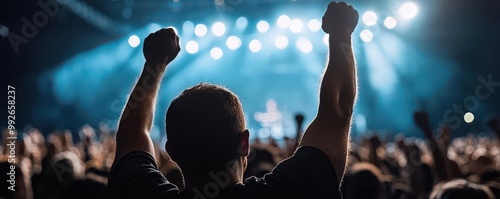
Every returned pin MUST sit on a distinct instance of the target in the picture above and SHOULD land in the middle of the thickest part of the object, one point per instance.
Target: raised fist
(422, 120)
(494, 124)
(161, 47)
(340, 19)
(299, 118)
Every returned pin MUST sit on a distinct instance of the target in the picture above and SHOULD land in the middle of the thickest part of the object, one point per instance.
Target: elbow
(342, 109)
(345, 112)
(337, 113)
(345, 106)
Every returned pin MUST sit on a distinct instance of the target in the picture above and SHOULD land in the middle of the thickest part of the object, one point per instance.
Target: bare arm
(329, 131)
(440, 161)
(136, 119)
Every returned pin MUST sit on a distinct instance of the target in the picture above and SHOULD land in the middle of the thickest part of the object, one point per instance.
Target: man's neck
(213, 181)
(219, 180)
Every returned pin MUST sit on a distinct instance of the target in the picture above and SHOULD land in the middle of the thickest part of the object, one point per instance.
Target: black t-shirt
(307, 174)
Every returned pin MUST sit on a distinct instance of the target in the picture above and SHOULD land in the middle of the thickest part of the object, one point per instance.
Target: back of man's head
(204, 124)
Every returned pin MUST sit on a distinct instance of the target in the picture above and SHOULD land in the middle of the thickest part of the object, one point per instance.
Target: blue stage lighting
(200, 30)
(134, 41)
(262, 26)
(283, 21)
(241, 22)
(408, 10)
(314, 25)
(233, 42)
(255, 46)
(370, 18)
(218, 29)
(192, 47)
(296, 26)
(390, 22)
(281, 42)
(216, 53)
(304, 45)
(366, 35)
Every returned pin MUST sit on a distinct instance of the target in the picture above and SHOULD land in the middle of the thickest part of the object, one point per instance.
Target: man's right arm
(329, 131)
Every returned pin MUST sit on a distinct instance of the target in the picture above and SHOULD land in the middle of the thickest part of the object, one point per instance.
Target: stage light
(277, 132)
(370, 18)
(216, 53)
(255, 46)
(390, 22)
(408, 10)
(200, 30)
(296, 26)
(241, 22)
(233, 42)
(304, 45)
(283, 21)
(134, 41)
(281, 42)
(469, 117)
(218, 29)
(314, 25)
(366, 35)
(262, 26)
(187, 27)
(326, 39)
(192, 47)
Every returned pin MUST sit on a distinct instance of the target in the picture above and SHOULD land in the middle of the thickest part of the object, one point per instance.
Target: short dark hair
(363, 180)
(460, 188)
(204, 124)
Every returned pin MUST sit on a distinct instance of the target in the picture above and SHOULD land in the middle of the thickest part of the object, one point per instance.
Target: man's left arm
(160, 48)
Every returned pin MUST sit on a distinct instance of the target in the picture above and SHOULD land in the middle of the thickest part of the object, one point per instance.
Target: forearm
(330, 129)
(137, 116)
(440, 161)
(339, 85)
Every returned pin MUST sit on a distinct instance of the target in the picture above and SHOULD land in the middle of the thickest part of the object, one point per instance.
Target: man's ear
(244, 143)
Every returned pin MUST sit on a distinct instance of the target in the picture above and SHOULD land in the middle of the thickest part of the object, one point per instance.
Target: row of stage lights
(406, 11)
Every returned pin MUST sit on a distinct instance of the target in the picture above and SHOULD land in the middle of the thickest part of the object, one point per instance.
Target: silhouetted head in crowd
(62, 170)
(206, 133)
(90, 186)
(363, 180)
(461, 189)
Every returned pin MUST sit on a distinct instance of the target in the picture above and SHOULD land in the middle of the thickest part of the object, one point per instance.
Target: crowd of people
(208, 153)
(54, 166)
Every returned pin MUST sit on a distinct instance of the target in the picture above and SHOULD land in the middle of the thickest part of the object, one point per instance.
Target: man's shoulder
(136, 175)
